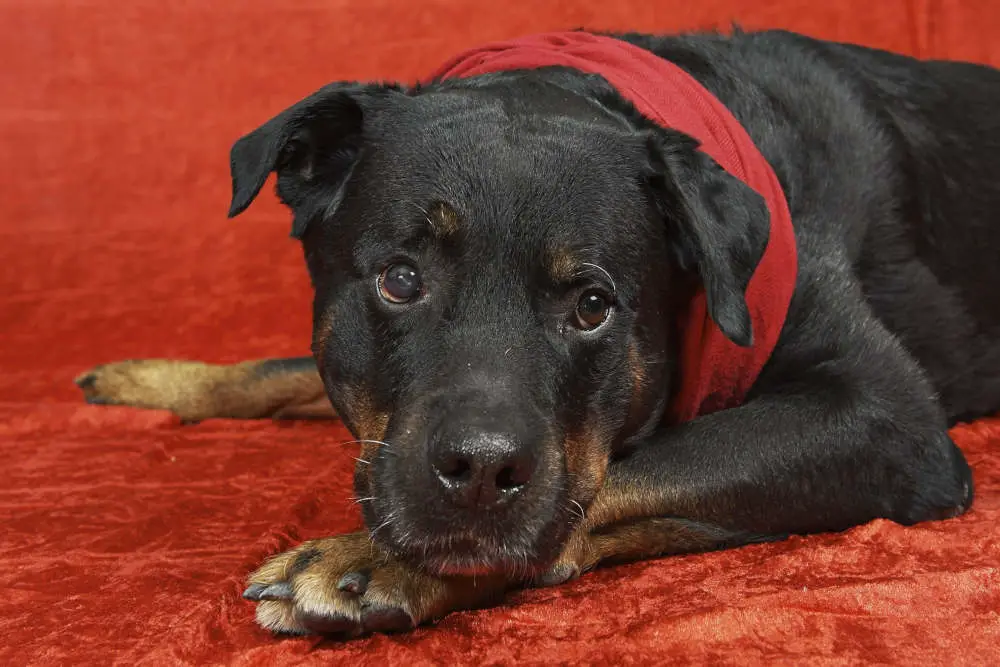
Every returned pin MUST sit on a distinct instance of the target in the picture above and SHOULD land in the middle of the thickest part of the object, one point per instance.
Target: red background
(125, 536)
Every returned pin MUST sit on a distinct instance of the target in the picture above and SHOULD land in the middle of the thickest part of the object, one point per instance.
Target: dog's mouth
(467, 563)
(507, 521)
(469, 557)
(517, 547)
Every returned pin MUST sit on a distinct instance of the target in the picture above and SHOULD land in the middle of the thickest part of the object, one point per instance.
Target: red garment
(715, 372)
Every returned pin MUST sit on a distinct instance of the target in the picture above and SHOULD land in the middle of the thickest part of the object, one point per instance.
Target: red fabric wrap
(715, 373)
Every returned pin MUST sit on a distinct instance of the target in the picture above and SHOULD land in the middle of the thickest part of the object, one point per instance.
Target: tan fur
(321, 335)
(391, 584)
(562, 265)
(637, 369)
(645, 539)
(195, 390)
(639, 533)
(586, 465)
(445, 221)
(368, 422)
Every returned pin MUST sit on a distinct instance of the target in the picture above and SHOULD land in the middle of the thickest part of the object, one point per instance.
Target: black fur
(891, 172)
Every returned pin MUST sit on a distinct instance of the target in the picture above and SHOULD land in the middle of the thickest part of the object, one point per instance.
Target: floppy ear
(313, 146)
(717, 226)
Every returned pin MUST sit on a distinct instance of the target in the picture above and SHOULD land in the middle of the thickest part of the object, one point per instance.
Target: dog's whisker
(364, 500)
(595, 266)
(361, 460)
(427, 216)
(382, 443)
(371, 535)
(583, 513)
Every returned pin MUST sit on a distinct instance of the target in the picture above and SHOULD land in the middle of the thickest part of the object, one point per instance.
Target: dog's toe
(329, 624)
(386, 620)
(353, 582)
(85, 381)
(343, 623)
(559, 573)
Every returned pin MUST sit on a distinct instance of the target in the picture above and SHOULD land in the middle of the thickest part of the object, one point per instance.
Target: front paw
(182, 387)
(576, 558)
(347, 586)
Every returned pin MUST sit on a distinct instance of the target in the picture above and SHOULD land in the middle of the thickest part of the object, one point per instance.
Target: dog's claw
(85, 381)
(253, 592)
(353, 582)
(279, 591)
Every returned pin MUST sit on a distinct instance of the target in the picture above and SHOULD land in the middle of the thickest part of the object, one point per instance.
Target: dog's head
(496, 264)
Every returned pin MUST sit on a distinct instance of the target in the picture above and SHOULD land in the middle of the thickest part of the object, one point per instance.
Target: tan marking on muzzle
(637, 369)
(322, 332)
(586, 465)
(368, 422)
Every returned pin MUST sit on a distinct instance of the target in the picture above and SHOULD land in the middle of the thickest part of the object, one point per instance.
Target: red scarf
(715, 373)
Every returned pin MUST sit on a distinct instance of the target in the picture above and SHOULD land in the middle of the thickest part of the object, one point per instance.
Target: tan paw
(345, 586)
(183, 387)
(576, 558)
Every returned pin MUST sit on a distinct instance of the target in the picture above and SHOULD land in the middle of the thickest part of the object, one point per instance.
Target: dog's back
(932, 267)
(889, 163)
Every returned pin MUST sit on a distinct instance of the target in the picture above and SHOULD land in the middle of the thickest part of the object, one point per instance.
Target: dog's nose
(482, 469)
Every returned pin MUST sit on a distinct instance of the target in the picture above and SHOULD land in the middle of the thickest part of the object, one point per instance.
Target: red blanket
(125, 537)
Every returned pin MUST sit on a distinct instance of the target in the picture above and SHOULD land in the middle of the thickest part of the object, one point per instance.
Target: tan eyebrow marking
(562, 265)
(443, 219)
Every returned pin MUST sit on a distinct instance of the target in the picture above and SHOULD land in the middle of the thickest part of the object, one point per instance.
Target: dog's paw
(576, 558)
(142, 383)
(182, 387)
(346, 586)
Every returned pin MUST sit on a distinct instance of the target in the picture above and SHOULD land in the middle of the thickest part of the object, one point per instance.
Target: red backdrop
(125, 536)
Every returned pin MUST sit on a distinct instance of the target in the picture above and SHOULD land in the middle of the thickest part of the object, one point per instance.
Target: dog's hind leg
(270, 388)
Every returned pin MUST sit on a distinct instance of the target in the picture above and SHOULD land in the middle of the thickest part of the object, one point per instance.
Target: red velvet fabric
(125, 537)
(715, 372)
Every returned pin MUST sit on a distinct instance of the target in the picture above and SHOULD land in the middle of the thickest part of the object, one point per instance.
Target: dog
(568, 332)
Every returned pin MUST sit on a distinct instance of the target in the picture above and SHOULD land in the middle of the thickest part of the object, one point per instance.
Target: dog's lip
(464, 553)
(447, 569)
(473, 566)
(451, 556)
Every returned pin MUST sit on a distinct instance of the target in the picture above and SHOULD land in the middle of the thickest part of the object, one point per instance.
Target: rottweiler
(586, 298)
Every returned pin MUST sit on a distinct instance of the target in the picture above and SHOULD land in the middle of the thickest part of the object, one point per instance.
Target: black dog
(501, 266)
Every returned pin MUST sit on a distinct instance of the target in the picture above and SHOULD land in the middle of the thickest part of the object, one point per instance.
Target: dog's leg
(271, 388)
(821, 446)
(826, 447)
(828, 439)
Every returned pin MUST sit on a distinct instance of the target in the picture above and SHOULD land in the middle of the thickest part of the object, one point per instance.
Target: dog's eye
(592, 310)
(399, 283)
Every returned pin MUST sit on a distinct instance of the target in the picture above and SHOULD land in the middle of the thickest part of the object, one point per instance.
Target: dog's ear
(717, 226)
(313, 146)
